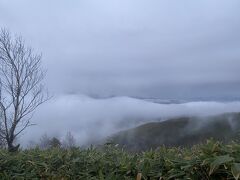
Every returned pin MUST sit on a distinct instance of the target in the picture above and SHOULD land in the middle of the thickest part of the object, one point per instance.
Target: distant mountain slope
(184, 131)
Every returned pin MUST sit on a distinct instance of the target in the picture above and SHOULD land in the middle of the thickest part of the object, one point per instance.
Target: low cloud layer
(92, 119)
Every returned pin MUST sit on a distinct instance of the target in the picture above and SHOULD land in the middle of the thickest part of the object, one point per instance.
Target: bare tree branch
(21, 87)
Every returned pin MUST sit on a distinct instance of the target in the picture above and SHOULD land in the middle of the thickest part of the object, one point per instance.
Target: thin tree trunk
(11, 147)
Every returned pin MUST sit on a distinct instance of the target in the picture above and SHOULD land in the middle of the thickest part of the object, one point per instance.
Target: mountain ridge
(181, 131)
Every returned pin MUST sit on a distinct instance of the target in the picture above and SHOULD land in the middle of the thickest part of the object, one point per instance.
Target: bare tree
(45, 142)
(21, 88)
(69, 141)
(2, 142)
(55, 143)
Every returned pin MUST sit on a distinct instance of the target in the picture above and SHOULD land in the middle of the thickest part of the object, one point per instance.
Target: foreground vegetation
(212, 160)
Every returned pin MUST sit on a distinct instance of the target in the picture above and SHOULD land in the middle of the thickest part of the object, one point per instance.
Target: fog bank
(91, 119)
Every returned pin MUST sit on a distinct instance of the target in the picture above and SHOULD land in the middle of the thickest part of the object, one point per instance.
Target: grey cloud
(124, 47)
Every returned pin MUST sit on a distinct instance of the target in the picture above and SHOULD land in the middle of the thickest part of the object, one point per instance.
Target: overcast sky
(168, 49)
(154, 48)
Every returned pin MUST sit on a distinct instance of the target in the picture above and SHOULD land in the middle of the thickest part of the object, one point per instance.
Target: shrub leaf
(219, 160)
(236, 170)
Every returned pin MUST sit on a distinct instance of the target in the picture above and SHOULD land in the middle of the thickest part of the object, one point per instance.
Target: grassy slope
(184, 131)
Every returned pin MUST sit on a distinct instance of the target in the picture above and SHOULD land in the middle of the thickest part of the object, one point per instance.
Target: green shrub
(212, 160)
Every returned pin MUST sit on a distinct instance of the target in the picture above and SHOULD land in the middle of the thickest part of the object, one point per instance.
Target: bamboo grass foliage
(212, 160)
